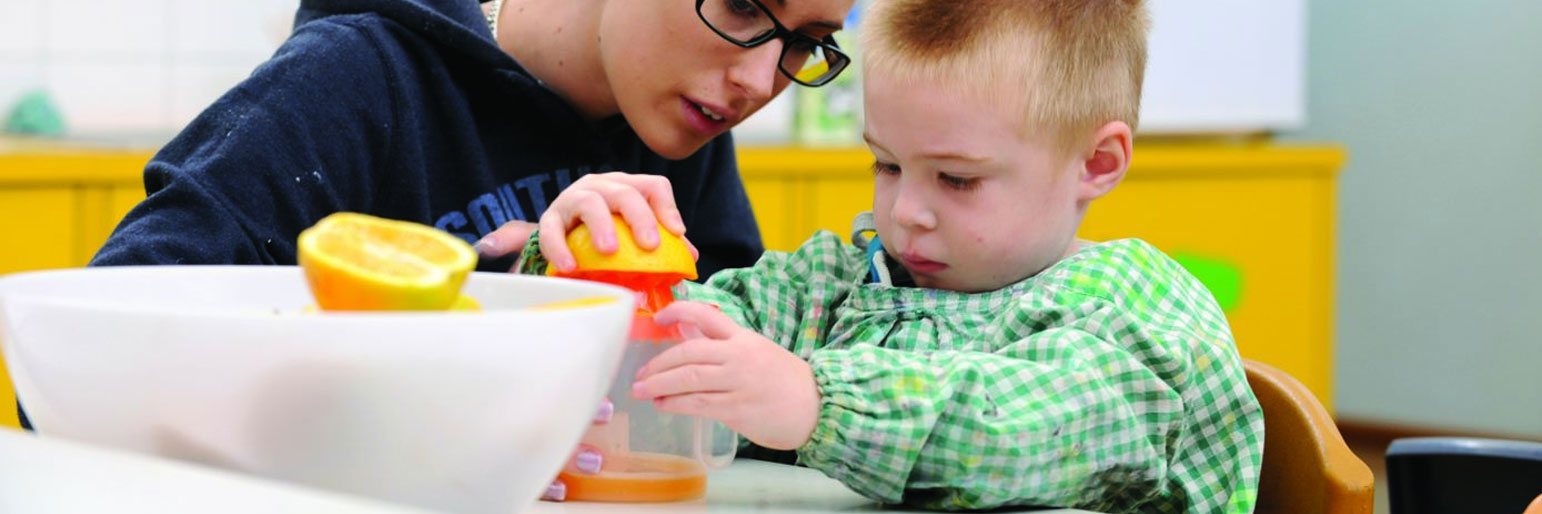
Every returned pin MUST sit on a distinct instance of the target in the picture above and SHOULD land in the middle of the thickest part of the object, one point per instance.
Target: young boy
(977, 354)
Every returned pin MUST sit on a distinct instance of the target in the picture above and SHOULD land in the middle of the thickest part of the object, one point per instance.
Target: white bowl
(222, 365)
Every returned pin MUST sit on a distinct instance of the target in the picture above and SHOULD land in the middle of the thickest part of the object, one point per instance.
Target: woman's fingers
(633, 207)
(644, 201)
(506, 239)
(554, 244)
(660, 196)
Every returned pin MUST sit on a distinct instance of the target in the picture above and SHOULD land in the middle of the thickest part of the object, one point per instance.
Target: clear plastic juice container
(649, 456)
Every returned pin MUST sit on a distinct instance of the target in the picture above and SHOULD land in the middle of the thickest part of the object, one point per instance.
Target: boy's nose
(911, 212)
(754, 73)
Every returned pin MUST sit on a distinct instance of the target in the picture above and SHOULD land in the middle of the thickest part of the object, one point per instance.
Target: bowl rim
(8, 283)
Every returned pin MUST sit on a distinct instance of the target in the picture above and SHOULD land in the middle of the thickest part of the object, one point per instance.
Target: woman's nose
(754, 73)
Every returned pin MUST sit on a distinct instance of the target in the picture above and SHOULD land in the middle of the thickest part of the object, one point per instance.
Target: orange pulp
(639, 477)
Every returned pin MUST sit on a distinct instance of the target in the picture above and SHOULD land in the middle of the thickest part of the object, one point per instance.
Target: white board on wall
(1225, 66)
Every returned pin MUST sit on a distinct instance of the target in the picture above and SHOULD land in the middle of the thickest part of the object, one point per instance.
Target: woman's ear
(1106, 159)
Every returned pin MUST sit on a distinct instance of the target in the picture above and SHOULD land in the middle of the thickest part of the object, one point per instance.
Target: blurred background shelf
(1254, 220)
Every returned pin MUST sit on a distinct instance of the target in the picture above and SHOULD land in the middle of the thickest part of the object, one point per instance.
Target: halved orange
(671, 260)
(359, 262)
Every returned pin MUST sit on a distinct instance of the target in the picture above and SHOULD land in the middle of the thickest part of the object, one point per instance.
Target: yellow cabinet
(1254, 221)
(57, 206)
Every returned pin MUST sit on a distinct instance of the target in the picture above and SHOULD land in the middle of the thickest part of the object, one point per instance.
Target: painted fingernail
(555, 492)
(607, 409)
(588, 461)
(486, 246)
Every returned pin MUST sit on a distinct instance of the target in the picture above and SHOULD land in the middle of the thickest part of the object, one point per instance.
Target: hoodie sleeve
(293, 142)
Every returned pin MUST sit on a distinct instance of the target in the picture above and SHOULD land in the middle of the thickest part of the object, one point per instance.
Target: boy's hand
(732, 375)
(642, 200)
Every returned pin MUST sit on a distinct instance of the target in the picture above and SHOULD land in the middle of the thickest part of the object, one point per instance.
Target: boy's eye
(957, 182)
(885, 168)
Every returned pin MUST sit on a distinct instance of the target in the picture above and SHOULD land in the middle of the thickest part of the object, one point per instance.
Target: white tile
(116, 29)
(18, 76)
(107, 98)
(21, 27)
(195, 85)
(204, 27)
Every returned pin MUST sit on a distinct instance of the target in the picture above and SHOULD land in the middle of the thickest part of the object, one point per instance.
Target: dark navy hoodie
(404, 109)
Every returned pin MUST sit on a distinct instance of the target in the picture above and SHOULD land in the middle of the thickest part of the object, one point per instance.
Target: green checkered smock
(1107, 382)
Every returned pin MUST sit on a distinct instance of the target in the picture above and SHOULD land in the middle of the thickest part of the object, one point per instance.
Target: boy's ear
(1106, 159)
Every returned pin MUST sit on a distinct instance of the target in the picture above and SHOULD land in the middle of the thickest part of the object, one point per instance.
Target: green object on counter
(832, 114)
(35, 115)
(1221, 276)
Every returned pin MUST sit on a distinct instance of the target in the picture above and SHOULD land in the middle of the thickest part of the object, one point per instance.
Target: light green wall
(1440, 233)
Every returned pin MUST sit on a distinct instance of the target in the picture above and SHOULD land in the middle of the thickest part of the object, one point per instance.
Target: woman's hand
(643, 201)
(587, 459)
(732, 375)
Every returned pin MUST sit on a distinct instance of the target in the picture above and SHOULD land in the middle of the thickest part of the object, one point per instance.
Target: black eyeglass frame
(787, 36)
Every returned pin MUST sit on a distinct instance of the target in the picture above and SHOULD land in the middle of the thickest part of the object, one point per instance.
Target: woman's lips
(700, 121)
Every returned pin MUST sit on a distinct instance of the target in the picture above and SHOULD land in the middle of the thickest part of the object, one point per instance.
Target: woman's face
(678, 83)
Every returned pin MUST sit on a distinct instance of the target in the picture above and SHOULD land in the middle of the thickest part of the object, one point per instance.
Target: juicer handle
(715, 443)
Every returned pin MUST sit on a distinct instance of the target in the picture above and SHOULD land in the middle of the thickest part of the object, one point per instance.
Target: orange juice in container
(649, 456)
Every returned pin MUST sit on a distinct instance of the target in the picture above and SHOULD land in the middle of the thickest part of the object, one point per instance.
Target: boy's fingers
(696, 351)
(707, 318)
(506, 239)
(705, 405)
(687, 379)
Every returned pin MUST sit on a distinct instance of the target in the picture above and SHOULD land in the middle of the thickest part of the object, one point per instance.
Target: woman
(414, 110)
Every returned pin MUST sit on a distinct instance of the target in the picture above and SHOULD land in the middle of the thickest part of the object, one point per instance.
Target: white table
(750, 486)
(40, 475)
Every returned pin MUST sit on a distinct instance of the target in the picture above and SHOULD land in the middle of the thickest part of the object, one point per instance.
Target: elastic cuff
(829, 449)
(531, 261)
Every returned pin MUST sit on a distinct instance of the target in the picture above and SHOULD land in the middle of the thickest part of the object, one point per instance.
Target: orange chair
(1308, 469)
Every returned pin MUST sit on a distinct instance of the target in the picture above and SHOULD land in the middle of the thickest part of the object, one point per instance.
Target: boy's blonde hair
(1071, 65)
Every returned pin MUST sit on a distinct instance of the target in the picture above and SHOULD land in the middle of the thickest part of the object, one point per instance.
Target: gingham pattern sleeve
(789, 298)
(1059, 418)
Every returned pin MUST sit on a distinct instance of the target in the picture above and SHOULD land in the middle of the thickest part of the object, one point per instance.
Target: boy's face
(664, 64)
(962, 199)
